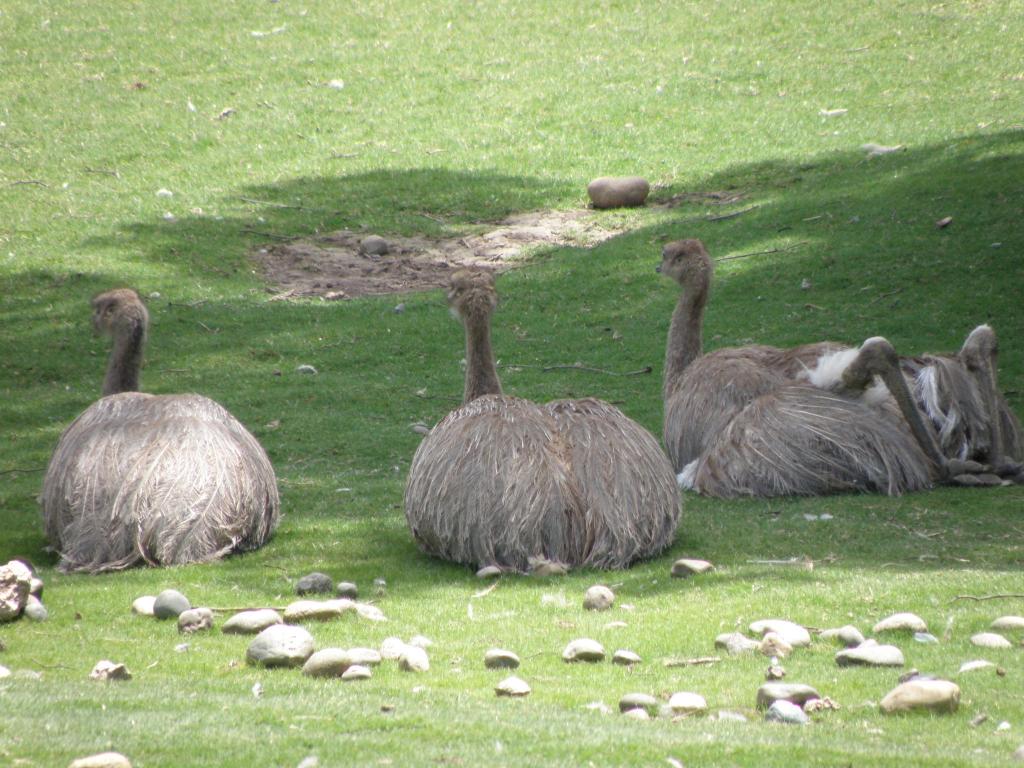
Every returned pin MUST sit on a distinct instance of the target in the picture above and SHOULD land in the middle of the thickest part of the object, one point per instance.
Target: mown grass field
(452, 116)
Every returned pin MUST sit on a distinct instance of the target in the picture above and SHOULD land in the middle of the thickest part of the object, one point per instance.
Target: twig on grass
(793, 247)
(732, 215)
(881, 296)
(979, 598)
(698, 662)
(272, 235)
(104, 172)
(17, 470)
(23, 182)
(578, 367)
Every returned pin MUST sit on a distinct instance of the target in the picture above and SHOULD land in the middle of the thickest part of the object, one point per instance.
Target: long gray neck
(125, 364)
(481, 372)
(685, 334)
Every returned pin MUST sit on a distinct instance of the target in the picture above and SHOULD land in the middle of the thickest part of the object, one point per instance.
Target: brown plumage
(503, 481)
(814, 419)
(160, 479)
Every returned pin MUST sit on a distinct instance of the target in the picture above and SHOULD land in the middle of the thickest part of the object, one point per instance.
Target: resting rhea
(503, 481)
(820, 418)
(160, 479)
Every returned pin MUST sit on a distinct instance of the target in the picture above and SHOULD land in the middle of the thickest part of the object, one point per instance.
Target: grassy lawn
(443, 117)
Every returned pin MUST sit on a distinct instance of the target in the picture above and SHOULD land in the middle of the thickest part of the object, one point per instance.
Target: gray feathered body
(501, 480)
(160, 479)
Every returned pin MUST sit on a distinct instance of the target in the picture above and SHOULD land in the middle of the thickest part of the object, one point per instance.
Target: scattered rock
(347, 589)
(315, 583)
(251, 622)
(688, 567)
(169, 604)
(687, 703)
(143, 606)
(370, 612)
(109, 670)
(375, 245)
(35, 610)
(583, 649)
(775, 646)
(971, 666)
(420, 641)
(871, 656)
(818, 705)
(848, 636)
(933, 695)
(637, 714)
(736, 643)
(990, 640)
(356, 672)
(598, 598)
(908, 622)
(618, 191)
(280, 645)
(926, 638)
(775, 672)
(413, 659)
(792, 633)
(625, 658)
(795, 693)
(392, 648)
(786, 712)
(512, 686)
(15, 585)
(1009, 623)
(364, 657)
(327, 662)
(195, 620)
(489, 572)
(541, 566)
(638, 701)
(102, 760)
(496, 658)
(317, 610)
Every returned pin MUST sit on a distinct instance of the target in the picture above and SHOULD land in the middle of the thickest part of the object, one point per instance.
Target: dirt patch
(334, 266)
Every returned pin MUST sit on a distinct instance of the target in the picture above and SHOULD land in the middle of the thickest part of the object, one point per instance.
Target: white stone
(792, 633)
(317, 610)
(414, 659)
(774, 645)
(901, 621)
(364, 657)
(687, 703)
(971, 666)
(871, 656)
(370, 612)
(783, 711)
(497, 658)
(251, 622)
(327, 662)
(990, 640)
(598, 598)
(583, 649)
(109, 670)
(356, 672)
(280, 645)
(143, 606)
(1007, 623)
(512, 686)
(625, 658)
(420, 641)
(102, 760)
(934, 695)
(736, 643)
(391, 649)
(686, 566)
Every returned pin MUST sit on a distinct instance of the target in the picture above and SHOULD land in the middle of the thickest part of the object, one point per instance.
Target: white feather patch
(926, 387)
(828, 374)
(687, 477)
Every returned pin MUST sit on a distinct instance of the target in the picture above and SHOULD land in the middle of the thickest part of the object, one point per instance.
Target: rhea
(156, 479)
(503, 481)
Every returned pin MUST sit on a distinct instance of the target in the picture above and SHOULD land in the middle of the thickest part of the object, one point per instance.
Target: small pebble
(583, 649)
(849, 635)
(901, 621)
(314, 583)
(370, 612)
(420, 641)
(512, 686)
(786, 712)
(307, 369)
(598, 598)
(497, 658)
(4, 672)
(689, 567)
(169, 604)
(625, 658)
(637, 714)
(775, 672)
(347, 589)
(925, 637)
(392, 648)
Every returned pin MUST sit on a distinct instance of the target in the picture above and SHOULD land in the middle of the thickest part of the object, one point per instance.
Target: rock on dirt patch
(335, 267)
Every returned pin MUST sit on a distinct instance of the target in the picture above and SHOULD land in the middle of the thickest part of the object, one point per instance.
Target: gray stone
(598, 598)
(907, 622)
(618, 191)
(786, 712)
(497, 658)
(413, 659)
(195, 620)
(370, 612)
(364, 657)
(871, 656)
(933, 695)
(102, 760)
(971, 666)
(317, 610)
(685, 566)
(375, 245)
(251, 622)
(990, 640)
(625, 658)
(347, 589)
(280, 645)
(143, 606)
(109, 670)
(356, 672)
(775, 672)
(848, 636)
(315, 583)
(169, 604)
(637, 713)
(687, 703)
(795, 693)
(639, 701)
(35, 610)
(1009, 623)
(327, 662)
(792, 633)
(15, 585)
(775, 646)
(512, 686)
(583, 649)
(736, 643)
(489, 572)
(392, 648)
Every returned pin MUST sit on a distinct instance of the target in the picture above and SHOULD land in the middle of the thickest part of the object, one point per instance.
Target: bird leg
(878, 358)
(979, 355)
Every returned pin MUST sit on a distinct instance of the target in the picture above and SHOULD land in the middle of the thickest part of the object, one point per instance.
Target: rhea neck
(685, 334)
(125, 363)
(481, 372)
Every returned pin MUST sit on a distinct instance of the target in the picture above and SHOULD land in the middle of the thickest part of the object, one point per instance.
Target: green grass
(451, 115)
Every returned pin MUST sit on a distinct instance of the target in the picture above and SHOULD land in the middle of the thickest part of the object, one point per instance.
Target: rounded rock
(497, 658)
(794, 693)
(990, 640)
(413, 659)
(775, 646)
(848, 636)
(512, 686)
(327, 662)
(736, 643)
(364, 657)
(625, 658)
(1009, 623)
(871, 656)
(583, 649)
(639, 701)
(392, 648)
(971, 666)
(618, 191)
(932, 695)
(786, 712)
(195, 620)
(356, 672)
(109, 670)
(686, 566)
(35, 587)
(489, 572)
(369, 612)
(687, 703)
(375, 245)
(280, 645)
(143, 606)
(637, 713)
(347, 589)
(315, 583)
(251, 622)
(317, 610)
(791, 632)
(169, 604)
(907, 622)
(35, 610)
(598, 598)
(102, 760)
